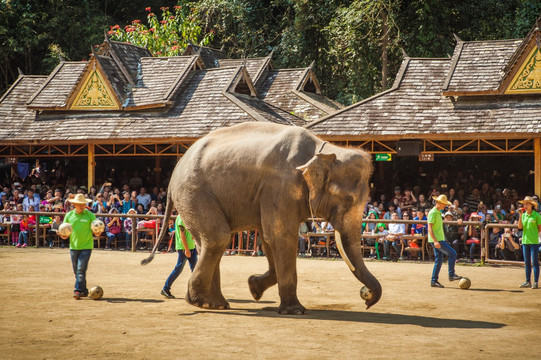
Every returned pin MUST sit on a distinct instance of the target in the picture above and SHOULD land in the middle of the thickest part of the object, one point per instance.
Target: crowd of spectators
(472, 200)
(483, 199)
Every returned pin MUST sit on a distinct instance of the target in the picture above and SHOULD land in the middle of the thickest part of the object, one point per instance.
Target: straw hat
(79, 199)
(529, 199)
(441, 199)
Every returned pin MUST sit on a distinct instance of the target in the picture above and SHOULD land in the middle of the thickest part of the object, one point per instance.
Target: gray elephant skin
(265, 177)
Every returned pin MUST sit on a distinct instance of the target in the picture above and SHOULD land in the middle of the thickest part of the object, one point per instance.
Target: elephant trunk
(354, 252)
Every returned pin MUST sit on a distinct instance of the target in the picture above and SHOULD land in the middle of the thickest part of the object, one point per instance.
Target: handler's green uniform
(81, 238)
(179, 224)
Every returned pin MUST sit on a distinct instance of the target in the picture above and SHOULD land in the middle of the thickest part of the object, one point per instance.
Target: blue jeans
(23, 236)
(79, 261)
(127, 237)
(530, 252)
(180, 266)
(438, 253)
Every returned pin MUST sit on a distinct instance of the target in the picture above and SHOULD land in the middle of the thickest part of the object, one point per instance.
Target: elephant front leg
(285, 262)
(258, 284)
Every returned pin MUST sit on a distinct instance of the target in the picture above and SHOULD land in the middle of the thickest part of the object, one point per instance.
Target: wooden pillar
(158, 169)
(537, 165)
(91, 166)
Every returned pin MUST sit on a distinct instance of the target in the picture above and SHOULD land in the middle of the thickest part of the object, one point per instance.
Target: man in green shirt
(436, 237)
(185, 245)
(530, 223)
(81, 242)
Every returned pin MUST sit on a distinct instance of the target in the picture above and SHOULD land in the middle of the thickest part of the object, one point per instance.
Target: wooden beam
(91, 166)
(537, 165)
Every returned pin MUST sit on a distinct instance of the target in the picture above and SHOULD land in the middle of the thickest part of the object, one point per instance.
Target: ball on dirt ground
(464, 283)
(97, 226)
(96, 293)
(65, 230)
(366, 293)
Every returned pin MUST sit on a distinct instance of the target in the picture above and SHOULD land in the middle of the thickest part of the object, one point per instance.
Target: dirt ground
(39, 319)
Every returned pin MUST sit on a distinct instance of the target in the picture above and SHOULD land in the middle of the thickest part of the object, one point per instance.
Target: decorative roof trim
(171, 92)
(266, 63)
(93, 65)
(240, 74)
(454, 62)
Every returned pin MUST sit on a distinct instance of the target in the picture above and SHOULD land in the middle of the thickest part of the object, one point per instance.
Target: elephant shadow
(125, 300)
(363, 317)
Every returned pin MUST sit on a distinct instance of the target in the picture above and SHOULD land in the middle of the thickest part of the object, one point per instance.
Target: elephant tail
(163, 231)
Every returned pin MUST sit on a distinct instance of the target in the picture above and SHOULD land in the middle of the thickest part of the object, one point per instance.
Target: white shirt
(397, 228)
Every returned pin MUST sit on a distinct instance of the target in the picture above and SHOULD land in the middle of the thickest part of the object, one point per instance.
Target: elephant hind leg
(204, 288)
(258, 284)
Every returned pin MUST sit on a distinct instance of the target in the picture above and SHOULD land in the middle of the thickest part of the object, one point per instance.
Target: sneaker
(525, 285)
(535, 286)
(454, 277)
(84, 294)
(108, 249)
(18, 245)
(436, 284)
(76, 295)
(167, 294)
(24, 245)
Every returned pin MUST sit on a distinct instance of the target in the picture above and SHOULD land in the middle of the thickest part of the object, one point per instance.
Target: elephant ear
(316, 173)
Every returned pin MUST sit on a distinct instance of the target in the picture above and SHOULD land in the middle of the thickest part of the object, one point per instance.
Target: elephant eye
(349, 199)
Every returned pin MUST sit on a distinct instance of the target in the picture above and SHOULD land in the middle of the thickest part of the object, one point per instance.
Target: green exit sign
(384, 157)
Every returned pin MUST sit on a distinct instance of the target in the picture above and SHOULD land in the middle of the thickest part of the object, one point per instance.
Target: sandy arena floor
(40, 320)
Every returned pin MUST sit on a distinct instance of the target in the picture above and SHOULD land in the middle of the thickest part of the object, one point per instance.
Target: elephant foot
(255, 289)
(207, 302)
(293, 309)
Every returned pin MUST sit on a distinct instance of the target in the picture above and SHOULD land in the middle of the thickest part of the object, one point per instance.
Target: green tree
(166, 37)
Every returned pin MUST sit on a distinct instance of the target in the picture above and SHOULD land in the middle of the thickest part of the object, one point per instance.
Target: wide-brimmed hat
(79, 199)
(441, 199)
(529, 199)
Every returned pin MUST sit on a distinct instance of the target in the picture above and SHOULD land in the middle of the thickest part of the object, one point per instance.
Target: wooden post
(157, 169)
(91, 166)
(537, 165)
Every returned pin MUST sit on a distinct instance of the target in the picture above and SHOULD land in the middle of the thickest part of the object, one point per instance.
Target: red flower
(164, 8)
(110, 32)
(171, 17)
(151, 29)
(116, 27)
(163, 22)
(159, 53)
(136, 22)
(151, 15)
(130, 30)
(178, 7)
(148, 9)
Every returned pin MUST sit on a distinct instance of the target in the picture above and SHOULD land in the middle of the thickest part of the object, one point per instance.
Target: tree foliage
(351, 41)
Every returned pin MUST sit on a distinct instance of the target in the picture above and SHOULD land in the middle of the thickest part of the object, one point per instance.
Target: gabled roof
(416, 107)
(477, 66)
(256, 66)
(209, 55)
(284, 88)
(127, 56)
(205, 101)
(55, 90)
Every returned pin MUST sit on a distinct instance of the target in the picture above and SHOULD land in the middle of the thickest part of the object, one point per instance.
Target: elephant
(267, 177)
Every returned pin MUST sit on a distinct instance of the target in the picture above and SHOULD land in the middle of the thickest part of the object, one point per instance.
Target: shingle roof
(160, 79)
(479, 65)
(416, 106)
(209, 56)
(129, 56)
(255, 66)
(277, 88)
(55, 90)
(115, 76)
(199, 107)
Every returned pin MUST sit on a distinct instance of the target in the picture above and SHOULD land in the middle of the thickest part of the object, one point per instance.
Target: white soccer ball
(65, 230)
(97, 226)
(96, 293)
(366, 293)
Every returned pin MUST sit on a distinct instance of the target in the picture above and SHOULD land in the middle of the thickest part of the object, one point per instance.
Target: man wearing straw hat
(436, 237)
(81, 242)
(530, 223)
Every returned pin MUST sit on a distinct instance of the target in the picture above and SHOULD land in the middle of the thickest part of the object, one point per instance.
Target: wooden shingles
(54, 92)
(417, 107)
(209, 56)
(129, 55)
(479, 65)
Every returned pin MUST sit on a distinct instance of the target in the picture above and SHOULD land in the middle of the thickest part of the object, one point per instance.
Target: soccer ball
(65, 230)
(366, 293)
(95, 293)
(97, 226)
(464, 283)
